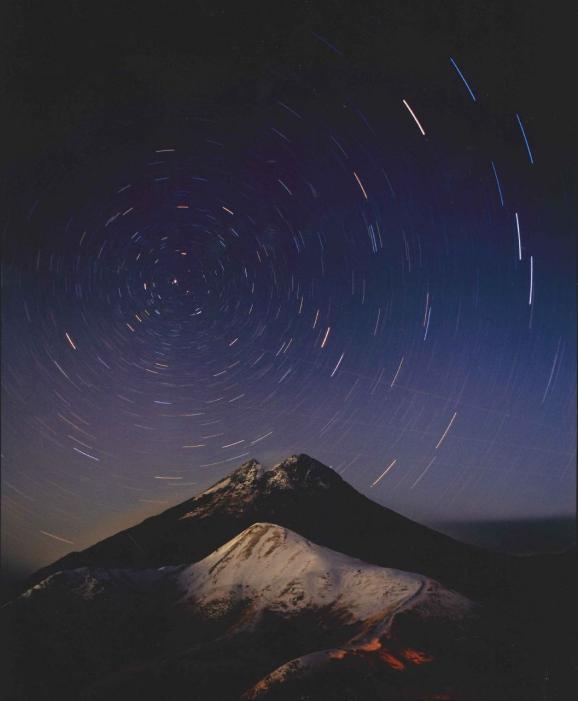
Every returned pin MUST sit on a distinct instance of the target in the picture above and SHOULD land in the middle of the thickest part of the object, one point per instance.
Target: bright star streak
(384, 473)
(87, 455)
(455, 65)
(446, 431)
(519, 240)
(338, 364)
(70, 340)
(360, 185)
(56, 537)
(415, 118)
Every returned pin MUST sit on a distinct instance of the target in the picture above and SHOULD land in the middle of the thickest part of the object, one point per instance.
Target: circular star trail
(379, 278)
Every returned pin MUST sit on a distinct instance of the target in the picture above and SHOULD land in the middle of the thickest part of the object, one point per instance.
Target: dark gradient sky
(229, 238)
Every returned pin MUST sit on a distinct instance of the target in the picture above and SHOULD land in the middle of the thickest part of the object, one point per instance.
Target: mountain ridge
(308, 497)
(289, 580)
(266, 583)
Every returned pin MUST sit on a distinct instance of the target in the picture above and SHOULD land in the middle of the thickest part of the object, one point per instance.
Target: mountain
(266, 611)
(287, 583)
(311, 499)
(280, 570)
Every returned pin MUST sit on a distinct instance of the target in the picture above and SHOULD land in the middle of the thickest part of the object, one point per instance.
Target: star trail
(367, 276)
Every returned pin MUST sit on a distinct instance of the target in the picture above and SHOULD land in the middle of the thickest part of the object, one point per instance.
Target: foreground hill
(262, 614)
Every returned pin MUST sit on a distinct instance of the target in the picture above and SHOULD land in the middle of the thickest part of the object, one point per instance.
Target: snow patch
(280, 570)
(217, 487)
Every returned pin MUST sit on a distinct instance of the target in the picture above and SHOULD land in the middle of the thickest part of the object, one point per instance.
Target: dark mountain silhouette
(528, 536)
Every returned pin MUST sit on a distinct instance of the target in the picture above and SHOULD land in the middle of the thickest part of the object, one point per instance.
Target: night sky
(335, 230)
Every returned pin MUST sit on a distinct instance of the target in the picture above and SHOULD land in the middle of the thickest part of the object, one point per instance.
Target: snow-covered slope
(274, 569)
(89, 583)
(279, 570)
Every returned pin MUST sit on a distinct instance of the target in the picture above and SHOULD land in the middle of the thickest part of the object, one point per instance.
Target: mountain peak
(296, 471)
(251, 471)
(302, 471)
(252, 482)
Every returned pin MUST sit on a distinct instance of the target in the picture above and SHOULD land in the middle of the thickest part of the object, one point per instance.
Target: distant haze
(524, 536)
